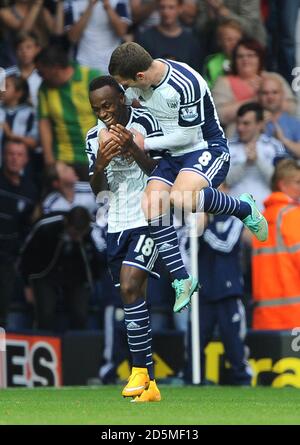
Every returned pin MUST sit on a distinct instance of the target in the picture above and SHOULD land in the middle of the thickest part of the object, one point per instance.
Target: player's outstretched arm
(107, 151)
(126, 140)
(180, 138)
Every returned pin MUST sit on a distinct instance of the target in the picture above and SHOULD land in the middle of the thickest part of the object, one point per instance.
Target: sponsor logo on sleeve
(189, 114)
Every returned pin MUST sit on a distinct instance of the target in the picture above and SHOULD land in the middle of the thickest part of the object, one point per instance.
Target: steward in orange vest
(276, 262)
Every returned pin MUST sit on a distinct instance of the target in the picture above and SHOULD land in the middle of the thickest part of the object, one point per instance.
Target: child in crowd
(19, 117)
(27, 47)
(229, 32)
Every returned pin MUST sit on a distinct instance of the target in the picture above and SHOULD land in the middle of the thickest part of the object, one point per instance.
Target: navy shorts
(133, 247)
(212, 163)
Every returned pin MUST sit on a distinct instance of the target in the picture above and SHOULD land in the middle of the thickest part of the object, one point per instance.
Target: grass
(180, 406)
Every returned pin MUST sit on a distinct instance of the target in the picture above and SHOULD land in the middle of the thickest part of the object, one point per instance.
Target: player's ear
(122, 98)
(140, 75)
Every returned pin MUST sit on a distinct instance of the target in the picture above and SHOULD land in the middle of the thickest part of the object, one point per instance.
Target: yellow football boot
(137, 382)
(152, 394)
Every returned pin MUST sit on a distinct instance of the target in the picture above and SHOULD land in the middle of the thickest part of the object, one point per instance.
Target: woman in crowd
(242, 85)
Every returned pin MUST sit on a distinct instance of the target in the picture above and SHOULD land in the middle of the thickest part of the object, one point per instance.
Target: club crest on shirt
(172, 103)
(189, 114)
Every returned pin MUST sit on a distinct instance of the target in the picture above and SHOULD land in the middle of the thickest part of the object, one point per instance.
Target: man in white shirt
(252, 155)
(66, 191)
(96, 27)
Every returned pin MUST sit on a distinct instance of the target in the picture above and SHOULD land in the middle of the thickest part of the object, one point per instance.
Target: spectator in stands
(276, 263)
(242, 85)
(188, 13)
(145, 14)
(28, 15)
(229, 32)
(212, 12)
(253, 155)
(27, 47)
(169, 39)
(280, 124)
(64, 111)
(281, 26)
(221, 293)
(96, 28)
(18, 197)
(60, 256)
(66, 191)
(20, 123)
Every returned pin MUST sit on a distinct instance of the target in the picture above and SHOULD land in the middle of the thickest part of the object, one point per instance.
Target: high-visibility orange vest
(276, 267)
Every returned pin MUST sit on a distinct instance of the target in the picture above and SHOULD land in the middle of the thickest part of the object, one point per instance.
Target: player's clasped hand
(121, 135)
(130, 140)
(125, 138)
(108, 150)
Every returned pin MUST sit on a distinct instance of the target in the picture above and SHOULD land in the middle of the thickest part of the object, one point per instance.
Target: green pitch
(180, 405)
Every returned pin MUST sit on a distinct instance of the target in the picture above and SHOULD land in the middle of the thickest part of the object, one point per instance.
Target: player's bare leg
(185, 191)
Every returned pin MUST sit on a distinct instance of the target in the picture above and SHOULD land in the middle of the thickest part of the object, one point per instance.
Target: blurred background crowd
(53, 273)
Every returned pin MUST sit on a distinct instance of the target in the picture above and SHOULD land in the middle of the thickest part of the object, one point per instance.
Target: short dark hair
(9, 142)
(78, 218)
(252, 106)
(22, 36)
(102, 81)
(53, 55)
(230, 23)
(129, 59)
(21, 84)
(253, 45)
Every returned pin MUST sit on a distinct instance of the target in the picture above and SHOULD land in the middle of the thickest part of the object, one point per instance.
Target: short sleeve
(123, 10)
(190, 115)
(32, 126)
(91, 148)
(149, 125)
(191, 90)
(43, 108)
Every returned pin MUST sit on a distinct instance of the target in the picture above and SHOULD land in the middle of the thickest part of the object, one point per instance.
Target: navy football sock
(149, 363)
(137, 325)
(219, 203)
(165, 237)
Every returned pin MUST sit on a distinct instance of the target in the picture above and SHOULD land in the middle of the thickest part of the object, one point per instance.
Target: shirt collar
(165, 77)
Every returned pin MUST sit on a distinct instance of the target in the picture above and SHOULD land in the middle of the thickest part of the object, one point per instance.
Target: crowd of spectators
(50, 51)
